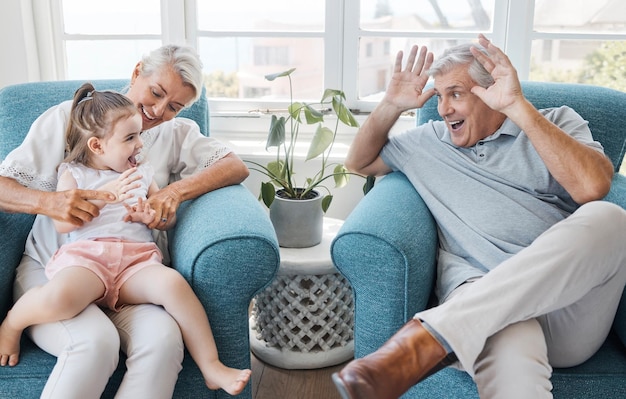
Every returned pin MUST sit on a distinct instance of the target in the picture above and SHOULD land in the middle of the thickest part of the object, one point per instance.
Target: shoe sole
(340, 387)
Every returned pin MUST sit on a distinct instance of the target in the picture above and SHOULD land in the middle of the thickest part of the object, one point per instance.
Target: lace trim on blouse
(210, 159)
(27, 177)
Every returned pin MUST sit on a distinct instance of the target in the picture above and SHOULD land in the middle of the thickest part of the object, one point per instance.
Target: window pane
(427, 15)
(255, 15)
(112, 17)
(236, 67)
(377, 56)
(589, 16)
(580, 61)
(105, 59)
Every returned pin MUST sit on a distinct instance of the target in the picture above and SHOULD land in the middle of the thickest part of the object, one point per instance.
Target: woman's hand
(69, 206)
(75, 206)
(165, 203)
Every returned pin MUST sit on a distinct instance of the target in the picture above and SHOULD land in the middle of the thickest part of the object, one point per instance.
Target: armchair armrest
(617, 195)
(225, 246)
(386, 249)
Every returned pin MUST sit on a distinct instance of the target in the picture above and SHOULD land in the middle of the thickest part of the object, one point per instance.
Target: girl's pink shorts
(114, 261)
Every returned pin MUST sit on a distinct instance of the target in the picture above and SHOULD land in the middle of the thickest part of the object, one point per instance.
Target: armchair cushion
(223, 244)
(391, 274)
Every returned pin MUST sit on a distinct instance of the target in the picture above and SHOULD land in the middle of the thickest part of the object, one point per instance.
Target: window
(585, 43)
(99, 36)
(248, 39)
(347, 44)
(386, 27)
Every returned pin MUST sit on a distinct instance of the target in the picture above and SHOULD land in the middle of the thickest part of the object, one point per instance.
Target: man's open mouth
(456, 125)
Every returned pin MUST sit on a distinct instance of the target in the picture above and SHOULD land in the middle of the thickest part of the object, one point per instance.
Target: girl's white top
(110, 222)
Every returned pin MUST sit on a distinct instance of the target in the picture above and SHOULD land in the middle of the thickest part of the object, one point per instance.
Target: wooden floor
(269, 382)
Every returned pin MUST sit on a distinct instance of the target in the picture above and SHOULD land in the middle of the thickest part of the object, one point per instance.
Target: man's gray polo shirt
(490, 200)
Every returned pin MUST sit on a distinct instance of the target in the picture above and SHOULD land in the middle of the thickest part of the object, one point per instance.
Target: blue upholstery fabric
(223, 244)
(386, 249)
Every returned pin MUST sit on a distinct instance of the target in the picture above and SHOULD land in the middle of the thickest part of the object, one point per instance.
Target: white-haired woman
(187, 164)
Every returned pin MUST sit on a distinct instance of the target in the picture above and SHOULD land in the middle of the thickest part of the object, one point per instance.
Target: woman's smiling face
(467, 117)
(160, 96)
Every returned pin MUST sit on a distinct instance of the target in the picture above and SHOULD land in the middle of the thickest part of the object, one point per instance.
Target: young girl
(113, 260)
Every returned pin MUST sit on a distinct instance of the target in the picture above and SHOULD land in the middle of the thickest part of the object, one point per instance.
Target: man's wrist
(388, 108)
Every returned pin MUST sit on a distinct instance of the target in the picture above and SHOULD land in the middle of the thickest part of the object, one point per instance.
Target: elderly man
(527, 252)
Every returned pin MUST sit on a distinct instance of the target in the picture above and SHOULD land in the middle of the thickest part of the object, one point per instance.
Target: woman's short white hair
(182, 59)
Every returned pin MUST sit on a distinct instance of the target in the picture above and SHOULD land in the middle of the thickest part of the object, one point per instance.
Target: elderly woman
(187, 164)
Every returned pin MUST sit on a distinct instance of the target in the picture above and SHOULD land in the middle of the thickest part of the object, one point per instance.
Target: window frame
(512, 30)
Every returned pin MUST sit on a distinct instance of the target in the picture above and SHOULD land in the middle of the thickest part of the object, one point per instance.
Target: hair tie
(89, 96)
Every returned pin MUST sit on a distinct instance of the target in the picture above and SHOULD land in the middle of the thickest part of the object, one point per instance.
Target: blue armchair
(386, 249)
(226, 256)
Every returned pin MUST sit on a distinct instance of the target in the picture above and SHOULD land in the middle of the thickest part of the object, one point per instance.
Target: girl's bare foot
(9, 345)
(229, 379)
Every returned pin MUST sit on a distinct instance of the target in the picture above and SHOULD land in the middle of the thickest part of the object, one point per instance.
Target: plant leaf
(312, 115)
(343, 113)
(294, 110)
(331, 93)
(268, 193)
(341, 176)
(369, 184)
(321, 141)
(326, 202)
(276, 134)
(277, 169)
(273, 76)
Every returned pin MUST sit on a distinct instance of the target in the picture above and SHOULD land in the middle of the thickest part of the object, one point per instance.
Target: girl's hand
(122, 186)
(141, 212)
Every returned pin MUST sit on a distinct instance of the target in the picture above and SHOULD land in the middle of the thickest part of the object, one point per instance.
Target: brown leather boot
(408, 357)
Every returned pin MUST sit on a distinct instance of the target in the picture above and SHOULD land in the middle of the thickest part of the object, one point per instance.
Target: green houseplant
(284, 131)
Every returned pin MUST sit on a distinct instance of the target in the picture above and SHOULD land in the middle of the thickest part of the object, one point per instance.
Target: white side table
(305, 318)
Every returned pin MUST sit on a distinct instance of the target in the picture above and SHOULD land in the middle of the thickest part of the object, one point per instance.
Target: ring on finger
(163, 220)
